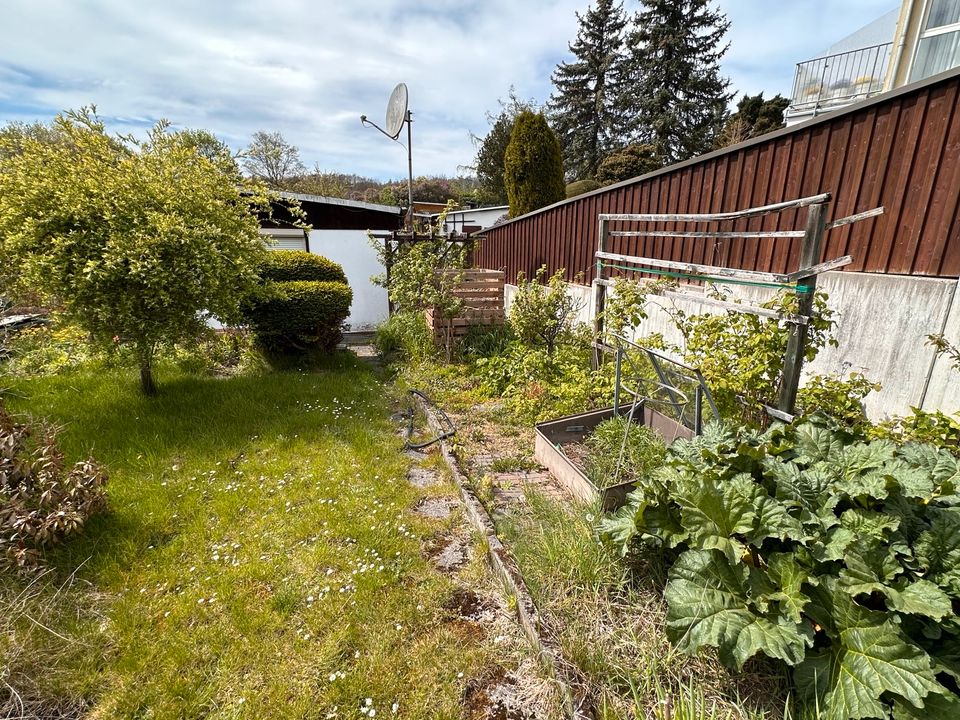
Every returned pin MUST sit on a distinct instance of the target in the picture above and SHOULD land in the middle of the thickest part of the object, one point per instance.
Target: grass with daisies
(259, 557)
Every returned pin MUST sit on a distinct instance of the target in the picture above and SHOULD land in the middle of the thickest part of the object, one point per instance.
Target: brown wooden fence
(900, 150)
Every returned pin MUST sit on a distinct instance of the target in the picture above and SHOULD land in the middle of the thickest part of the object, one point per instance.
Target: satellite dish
(396, 110)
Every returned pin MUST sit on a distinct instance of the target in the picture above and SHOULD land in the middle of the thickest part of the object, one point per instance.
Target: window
(938, 48)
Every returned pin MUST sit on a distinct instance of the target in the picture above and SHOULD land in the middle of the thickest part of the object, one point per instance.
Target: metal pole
(599, 292)
(616, 384)
(409, 170)
(388, 264)
(806, 287)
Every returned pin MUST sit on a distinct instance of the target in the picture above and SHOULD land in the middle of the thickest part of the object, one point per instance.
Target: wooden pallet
(482, 294)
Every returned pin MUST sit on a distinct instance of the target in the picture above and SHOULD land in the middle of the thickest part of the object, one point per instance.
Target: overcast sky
(310, 69)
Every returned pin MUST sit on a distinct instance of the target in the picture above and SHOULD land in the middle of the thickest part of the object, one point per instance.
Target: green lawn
(259, 557)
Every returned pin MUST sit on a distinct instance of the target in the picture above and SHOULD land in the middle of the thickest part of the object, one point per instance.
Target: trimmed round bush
(301, 314)
(287, 265)
(302, 303)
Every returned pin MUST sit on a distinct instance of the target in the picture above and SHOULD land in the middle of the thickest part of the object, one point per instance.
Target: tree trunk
(145, 353)
(146, 380)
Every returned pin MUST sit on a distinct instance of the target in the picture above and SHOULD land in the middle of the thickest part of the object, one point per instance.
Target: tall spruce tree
(675, 96)
(584, 109)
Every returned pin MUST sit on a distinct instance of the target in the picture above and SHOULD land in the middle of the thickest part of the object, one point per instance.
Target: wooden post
(599, 293)
(806, 287)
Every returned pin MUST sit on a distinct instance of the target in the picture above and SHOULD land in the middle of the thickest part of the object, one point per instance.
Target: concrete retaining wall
(882, 325)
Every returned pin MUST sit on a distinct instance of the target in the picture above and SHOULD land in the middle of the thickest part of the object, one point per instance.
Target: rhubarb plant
(837, 555)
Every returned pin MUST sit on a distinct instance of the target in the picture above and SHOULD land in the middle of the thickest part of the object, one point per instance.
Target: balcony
(835, 81)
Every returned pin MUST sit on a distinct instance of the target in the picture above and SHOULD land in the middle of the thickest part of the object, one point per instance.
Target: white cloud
(310, 70)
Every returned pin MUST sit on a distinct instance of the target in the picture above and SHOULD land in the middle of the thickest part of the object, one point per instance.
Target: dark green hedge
(287, 265)
(301, 314)
(302, 303)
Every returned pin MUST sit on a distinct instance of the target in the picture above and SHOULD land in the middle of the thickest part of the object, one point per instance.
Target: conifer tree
(584, 108)
(674, 94)
(491, 149)
(533, 166)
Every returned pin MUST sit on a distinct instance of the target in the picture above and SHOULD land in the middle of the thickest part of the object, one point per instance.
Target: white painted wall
(352, 249)
(481, 217)
(882, 325)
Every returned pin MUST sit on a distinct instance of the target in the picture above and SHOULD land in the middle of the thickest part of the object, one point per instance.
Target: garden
(230, 523)
(212, 523)
(760, 568)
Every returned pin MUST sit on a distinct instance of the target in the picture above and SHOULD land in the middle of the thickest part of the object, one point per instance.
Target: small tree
(135, 238)
(754, 116)
(424, 274)
(533, 165)
(273, 160)
(543, 314)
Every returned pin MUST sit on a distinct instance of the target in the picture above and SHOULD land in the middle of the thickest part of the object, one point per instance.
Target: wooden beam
(797, 342)
(707, 234)
(854, 218)
(694, 268)
(717, 217)
(821, 268)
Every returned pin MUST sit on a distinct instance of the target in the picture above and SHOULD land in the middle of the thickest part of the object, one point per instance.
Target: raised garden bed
(553, 436)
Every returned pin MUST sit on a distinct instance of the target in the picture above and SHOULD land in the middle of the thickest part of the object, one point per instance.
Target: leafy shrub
(543, 315)
(46, 349)
(582, 186)
(286, 265)
(934, 428)
(404, 335)
(294, 309)
(536, 386)
(643, 450)
(836, 555)
(740, 354)
(837, 397)
(301, 314)
(41, 501)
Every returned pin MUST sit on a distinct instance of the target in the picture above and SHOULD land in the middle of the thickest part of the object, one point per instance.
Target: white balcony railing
(830, 82)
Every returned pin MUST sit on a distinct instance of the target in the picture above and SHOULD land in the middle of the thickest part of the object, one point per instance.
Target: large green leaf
(921, 597)
(870, 567)
(865, 469)
(943, 467)
(715, 511)
(938, 549)
(868, 656)
(935, 707)
(708, 605)
(789, 578)
(816, 443)
(772, 520)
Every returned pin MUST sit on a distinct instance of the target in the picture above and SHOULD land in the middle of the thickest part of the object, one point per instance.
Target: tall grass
(609, 619)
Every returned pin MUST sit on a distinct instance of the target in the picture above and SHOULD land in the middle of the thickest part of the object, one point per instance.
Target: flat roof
(323, 200)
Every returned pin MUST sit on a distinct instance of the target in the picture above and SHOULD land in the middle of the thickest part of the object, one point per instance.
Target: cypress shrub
(533, 165)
